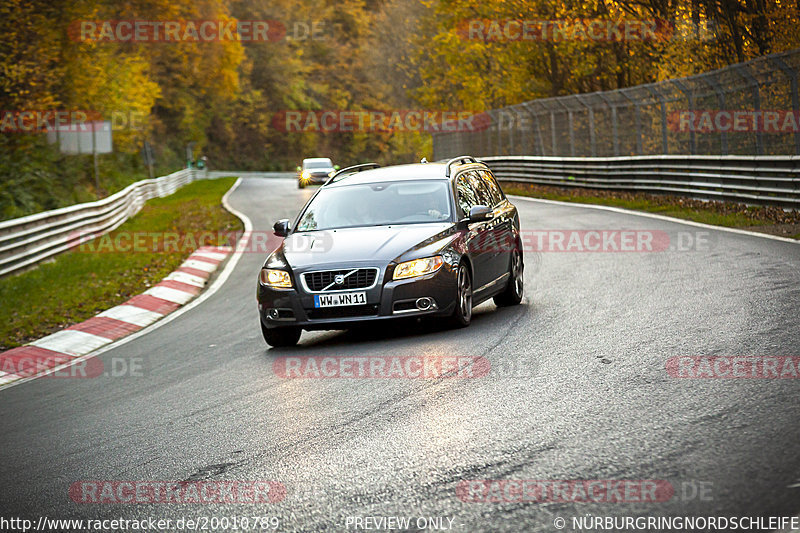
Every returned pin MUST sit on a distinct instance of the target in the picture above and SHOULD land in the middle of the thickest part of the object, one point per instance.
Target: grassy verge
(765, 219)
(79, 284)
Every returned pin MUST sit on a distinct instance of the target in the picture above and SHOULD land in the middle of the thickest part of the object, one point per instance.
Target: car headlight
(305, 175)
(275, 278)
(418, 267)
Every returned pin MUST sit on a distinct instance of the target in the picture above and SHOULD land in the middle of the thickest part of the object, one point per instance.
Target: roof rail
(340, 174)
(460, 160)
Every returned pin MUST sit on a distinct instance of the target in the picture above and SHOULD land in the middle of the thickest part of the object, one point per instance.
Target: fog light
(423, 304)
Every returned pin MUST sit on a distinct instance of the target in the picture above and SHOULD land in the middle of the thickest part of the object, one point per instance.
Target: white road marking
(199, 265)
(71, 342)
(216, 256)
(657, 217)
(171, 295)
(189, 279)
(132, 315)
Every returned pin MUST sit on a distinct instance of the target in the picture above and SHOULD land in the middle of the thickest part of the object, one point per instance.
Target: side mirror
(299, 169)
(479, 213)
(336, 167)
(281, 227)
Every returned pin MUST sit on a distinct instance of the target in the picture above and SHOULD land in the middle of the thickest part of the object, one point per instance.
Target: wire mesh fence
(749, 108)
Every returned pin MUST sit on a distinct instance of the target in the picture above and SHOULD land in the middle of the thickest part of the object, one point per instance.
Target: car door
(478, 233)
(502, 225)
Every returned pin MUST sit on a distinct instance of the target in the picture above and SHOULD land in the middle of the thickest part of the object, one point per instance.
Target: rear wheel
(281, 337)
(462, 314)
(512, 295)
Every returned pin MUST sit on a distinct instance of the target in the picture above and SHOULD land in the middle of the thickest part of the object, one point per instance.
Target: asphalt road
(578, 391)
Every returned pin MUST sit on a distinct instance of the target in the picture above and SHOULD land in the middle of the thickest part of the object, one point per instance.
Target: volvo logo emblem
(339, 279)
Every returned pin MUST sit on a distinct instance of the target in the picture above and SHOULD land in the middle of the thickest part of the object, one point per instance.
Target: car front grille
(358, 278)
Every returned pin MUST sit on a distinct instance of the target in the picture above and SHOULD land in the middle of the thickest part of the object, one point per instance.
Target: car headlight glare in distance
(275, 278)
(418, 267)
(306, 175)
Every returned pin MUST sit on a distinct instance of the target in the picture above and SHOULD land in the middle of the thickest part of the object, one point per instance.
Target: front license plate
(336, 300)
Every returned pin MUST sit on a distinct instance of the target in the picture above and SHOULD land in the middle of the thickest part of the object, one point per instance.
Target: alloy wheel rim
(464, 293)
(517, 273)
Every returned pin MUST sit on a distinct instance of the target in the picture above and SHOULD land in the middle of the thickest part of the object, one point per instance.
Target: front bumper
(386, 300)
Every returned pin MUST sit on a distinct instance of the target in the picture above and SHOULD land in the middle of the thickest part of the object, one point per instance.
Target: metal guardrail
(28, 240)
(759, 180)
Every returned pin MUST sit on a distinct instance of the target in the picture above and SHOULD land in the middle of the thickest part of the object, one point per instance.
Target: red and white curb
(181, 286)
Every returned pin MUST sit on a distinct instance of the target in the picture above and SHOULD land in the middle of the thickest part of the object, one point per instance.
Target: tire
(512, 295)
(462, 314)
(281, 337)
(300, 185)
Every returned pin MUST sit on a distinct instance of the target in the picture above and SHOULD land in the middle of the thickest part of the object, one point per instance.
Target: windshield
(318, 164)
(377, 204)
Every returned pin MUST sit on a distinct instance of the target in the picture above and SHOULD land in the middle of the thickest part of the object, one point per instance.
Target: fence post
(745, 73)
(792, 75)
(560, 102)
(614, 129)
(522, 131)
(723, 135)
(592, 140)
(637, 119)
(651, 89)
(690, 100)
(535, 116)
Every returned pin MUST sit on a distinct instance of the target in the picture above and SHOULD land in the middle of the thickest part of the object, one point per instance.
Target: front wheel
(462, 314)
(301, 185)
(512, 295)
(281, 337)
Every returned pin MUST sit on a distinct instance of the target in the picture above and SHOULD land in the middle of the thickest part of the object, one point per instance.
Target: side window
(494, 188)
(466, 196)
(481, 191)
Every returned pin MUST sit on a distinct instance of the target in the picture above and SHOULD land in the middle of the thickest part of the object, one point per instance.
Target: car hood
(379, 244)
